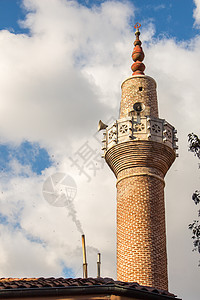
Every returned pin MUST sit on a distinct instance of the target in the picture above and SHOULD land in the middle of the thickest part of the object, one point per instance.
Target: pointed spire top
(138, 55)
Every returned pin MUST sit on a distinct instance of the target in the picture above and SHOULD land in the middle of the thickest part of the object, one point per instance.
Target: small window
(140, 88)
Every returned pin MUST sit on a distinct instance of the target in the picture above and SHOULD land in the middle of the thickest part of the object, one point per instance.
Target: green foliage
(194, 146)
(196, 197)
(195, 227)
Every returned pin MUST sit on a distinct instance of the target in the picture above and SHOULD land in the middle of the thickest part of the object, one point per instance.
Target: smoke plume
(73, 214)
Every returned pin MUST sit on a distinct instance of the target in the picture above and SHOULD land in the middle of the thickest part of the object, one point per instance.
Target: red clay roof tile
(40, 283)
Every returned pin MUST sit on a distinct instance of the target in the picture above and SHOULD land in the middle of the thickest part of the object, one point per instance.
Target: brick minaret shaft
(140, 148)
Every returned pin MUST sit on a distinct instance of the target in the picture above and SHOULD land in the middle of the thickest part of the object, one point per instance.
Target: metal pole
(98, 265)
(84, 257)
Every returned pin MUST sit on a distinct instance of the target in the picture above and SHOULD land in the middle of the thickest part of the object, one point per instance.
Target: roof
(21, 287)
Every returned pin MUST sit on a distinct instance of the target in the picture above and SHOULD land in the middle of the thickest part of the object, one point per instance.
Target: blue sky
(50, 106)
(27, 154)
(172, 18)
(10, 13)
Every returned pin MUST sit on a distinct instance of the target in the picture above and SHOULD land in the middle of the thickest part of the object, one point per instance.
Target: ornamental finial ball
(138, 55)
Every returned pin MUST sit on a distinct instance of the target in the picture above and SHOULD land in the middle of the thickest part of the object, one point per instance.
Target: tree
(194, 146)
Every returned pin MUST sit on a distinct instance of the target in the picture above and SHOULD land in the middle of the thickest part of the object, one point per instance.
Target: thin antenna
(98, 265)
(84, 257)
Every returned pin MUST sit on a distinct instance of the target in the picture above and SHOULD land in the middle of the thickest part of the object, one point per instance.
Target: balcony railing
(139, 128)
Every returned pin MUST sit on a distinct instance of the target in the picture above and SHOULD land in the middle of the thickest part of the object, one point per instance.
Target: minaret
(139, 148)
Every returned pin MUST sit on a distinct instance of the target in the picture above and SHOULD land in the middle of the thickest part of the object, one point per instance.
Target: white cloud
(55, 85)
(196, 13)
(159, 7)
(53, 74)
(48, 77)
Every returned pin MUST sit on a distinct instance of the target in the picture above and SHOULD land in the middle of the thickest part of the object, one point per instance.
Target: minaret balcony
(136, 128)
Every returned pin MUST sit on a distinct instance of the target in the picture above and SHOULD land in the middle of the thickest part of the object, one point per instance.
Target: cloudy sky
(61, 66)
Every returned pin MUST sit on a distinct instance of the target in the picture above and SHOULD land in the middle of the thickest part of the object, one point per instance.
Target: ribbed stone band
(140, 154)
(141, 174)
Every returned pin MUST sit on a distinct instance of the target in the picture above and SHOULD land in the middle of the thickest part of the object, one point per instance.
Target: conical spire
(138, 55)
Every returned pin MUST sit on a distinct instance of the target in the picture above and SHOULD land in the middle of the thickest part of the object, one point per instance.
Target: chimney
(98, 265)
(85, 274)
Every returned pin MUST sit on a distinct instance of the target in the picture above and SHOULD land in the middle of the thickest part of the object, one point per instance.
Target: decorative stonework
(123, 128)
(139, 127)
(111, 134)
(145, 154)
(148, 128)
(155, 128)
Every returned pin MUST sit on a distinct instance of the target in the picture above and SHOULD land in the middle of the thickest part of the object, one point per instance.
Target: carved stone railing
(139, 128)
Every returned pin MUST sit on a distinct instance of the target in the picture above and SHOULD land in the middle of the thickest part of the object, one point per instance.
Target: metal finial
(137, 32)
(137, 25)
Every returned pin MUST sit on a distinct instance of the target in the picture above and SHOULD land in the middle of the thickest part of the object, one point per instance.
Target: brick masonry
(132, 93)
(141, 243)
(140, 167)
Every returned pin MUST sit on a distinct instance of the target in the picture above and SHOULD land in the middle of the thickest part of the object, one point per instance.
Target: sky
(61, 67)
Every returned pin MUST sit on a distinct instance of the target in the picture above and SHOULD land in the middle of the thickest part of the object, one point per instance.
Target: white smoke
(73, 214)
